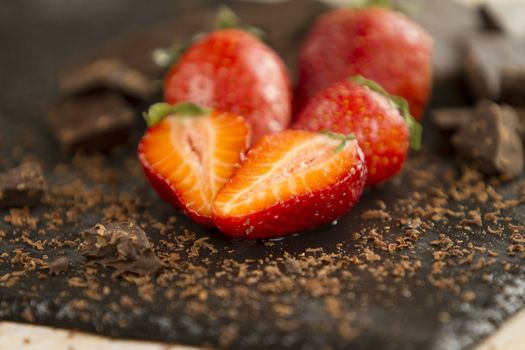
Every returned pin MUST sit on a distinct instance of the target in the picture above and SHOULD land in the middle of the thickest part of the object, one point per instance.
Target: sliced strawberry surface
(190, 154)
(289, 182)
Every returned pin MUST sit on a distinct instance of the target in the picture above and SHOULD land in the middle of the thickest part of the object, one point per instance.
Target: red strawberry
(378, 43)
(291, 181)
(231, 70)
(188, 153)
(380, 122)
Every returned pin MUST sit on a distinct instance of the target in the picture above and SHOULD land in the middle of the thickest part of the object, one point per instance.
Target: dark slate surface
(38, 37)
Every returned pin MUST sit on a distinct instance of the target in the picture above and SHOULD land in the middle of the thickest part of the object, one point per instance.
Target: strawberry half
(189, 153)
(289, 182)
(381, 123)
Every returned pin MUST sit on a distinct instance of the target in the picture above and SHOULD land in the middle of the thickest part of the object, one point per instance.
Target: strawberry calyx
(166, 56)
(415, 129)
(226, 18)
(159, 111)
(342, 137)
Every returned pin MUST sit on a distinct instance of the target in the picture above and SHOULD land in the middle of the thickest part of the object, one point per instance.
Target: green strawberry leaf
(159, 111)
(415, 129)
(226, 18)
(342, 137)
(164, 57)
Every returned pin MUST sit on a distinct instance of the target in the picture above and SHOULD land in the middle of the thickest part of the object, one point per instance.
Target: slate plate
(420, 291)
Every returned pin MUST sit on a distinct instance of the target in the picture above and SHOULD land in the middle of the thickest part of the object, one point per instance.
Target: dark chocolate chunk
(513, 85)
(106, 73)
(56, 267)
(21, 186)
(491, 140)
(123, 246)
(94, 121)
(452, 119)
(506, 16)
(486, 57)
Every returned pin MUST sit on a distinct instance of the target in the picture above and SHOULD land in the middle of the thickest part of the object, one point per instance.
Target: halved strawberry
(289, 182)
(189, 152)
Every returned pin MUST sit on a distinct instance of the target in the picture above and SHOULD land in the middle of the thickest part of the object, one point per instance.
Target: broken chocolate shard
(452, 119)
(123, 246)
(487, 54)
(513, 85)
(58, 266)
(90, 122)
(22, 186)
(505, 16)
(491, 140)
(106, 73)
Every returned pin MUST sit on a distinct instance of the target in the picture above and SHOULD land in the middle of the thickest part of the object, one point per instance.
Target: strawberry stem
(342, 137)
(227, 18)
(159, 111)
(415, 129)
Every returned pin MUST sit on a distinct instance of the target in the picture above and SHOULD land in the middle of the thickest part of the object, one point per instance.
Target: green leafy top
(342, 137)
(159, 111)
(415, 129)
(166, 56)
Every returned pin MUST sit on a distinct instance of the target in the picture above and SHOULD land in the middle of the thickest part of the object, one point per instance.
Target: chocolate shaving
(123, 246)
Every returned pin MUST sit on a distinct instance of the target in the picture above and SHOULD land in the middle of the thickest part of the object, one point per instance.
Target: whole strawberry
(291, 181)
(381, 123)
(378, 43)
(232, 70)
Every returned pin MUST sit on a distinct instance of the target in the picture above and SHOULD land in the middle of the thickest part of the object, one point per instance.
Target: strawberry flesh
(289, 182)
(189, 158)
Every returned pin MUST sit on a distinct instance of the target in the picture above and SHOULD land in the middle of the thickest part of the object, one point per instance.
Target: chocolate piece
(109, 73)
(513, 85)
(486, 57)
(452, 119)
(92, 122)
(491, 140)
(58, 266)
(505, 16)
(123, 246)
(22, 186)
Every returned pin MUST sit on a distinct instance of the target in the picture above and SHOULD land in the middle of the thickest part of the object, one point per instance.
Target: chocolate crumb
(56, 267)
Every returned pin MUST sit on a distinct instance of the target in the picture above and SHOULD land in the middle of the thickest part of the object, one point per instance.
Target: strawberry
(189, 152)
(232, 70)
(376, 42)
(289, 182)
(381, 123)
